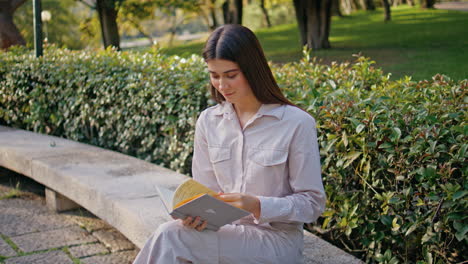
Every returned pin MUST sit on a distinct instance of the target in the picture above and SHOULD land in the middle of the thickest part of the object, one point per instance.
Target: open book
(192, 198)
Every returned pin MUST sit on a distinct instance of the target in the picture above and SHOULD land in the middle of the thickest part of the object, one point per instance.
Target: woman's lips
(228, 94)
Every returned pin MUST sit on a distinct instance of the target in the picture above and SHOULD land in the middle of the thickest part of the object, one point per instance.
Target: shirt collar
(275, 110)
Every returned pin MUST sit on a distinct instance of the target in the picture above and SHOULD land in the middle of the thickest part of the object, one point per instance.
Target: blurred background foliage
(417, 42)
(64, 27)
(393, 152)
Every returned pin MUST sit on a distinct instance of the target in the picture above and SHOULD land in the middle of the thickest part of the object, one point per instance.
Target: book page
(166, 196)
(187, 190)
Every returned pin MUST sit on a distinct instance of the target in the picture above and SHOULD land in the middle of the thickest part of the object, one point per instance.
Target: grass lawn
(417, 42)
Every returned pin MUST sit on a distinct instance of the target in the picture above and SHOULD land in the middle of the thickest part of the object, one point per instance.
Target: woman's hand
(244, 201)
(194, 222)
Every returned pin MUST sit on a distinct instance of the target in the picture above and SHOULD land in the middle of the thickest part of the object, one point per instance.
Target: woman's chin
(229, 100)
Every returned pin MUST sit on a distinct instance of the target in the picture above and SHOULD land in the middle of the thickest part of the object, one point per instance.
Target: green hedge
(143, 106)
(393, 152)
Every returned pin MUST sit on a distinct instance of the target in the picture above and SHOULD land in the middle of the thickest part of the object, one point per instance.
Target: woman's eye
(215, 77)
(232, 76)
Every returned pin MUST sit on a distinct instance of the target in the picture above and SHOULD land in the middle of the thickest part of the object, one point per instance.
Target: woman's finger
(195, 222)
(229, 197)
(202, 226)
(187, 221)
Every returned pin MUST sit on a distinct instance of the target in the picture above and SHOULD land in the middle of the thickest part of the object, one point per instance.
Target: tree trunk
(427, 3)
(141, 30)
(214, 23)
(314, 19)
(387, 10)
(265, 13)
(173, 28)
(107, 12)
(346, 6)
(232, 11)
(301, 17)
(362, 4)
(336, 8)
(9, 33)
(370, 6)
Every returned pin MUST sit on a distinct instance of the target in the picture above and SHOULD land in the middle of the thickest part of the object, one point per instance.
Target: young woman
(260, 152)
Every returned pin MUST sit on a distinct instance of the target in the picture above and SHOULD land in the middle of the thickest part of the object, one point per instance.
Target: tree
(367, 5)
(232, 11)
(265, 13)
(336, 8)
(387, 10)
(314, 19)
(63, 27)
(214, 21)
(427, 3)
(133, 13)
(107, 12)
(9, 33)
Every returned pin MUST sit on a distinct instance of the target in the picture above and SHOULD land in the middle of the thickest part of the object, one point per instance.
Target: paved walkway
(459, 6)
(31, 234)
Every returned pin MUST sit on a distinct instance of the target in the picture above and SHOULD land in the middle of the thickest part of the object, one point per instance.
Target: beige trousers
(174, 243)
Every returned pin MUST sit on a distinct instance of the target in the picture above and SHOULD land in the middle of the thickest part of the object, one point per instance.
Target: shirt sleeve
(307, 201)
(202, 169)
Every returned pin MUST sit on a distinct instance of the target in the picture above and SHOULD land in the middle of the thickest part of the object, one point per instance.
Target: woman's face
(229, 80)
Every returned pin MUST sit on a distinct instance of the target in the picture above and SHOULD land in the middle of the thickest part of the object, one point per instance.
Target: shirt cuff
(272, 209)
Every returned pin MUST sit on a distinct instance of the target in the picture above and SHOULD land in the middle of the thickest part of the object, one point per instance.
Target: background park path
(460, 6)
(32, 234)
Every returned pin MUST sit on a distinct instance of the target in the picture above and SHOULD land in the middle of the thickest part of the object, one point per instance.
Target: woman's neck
(245, 111)
(247, 108)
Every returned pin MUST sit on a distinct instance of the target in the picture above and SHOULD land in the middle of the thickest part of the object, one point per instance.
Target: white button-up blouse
(275, 157)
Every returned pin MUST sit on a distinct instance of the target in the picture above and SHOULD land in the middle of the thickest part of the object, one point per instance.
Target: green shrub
(393, 159)
(393, 152)
(144, 106)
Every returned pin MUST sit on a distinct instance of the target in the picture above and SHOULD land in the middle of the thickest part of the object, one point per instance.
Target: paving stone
(52, 239)
(88, 250)
(56, 257)
(31, 207)
(15, 222)
(113, 240)
(86, 220)
(4, 190)
(6, 250)
(123, 257)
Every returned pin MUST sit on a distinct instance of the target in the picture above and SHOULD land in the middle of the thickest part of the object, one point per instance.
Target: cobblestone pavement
(32, 234)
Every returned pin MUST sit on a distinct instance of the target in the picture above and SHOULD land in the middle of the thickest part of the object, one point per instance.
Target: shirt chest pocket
(219, 154)
(268, 157)
(220, 158)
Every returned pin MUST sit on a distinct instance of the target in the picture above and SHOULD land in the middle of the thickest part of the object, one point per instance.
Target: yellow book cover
(192, 198)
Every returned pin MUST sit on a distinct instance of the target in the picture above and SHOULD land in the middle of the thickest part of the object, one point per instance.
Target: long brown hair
(239, 44)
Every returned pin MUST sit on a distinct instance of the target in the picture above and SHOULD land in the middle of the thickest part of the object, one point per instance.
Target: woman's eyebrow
(228, 71)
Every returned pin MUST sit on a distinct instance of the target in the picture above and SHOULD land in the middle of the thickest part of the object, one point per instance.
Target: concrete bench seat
(115, 187)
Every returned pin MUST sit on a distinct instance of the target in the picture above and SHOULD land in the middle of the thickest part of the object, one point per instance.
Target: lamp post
(45, 17)
(37, 28)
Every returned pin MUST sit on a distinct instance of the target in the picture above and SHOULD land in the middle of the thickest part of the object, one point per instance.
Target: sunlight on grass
(13, 193)
(417, 42)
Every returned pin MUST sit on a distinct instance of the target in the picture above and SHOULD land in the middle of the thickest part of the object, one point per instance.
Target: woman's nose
(222, 83)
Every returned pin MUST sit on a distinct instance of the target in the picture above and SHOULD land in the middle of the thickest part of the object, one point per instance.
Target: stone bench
(115, 187)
